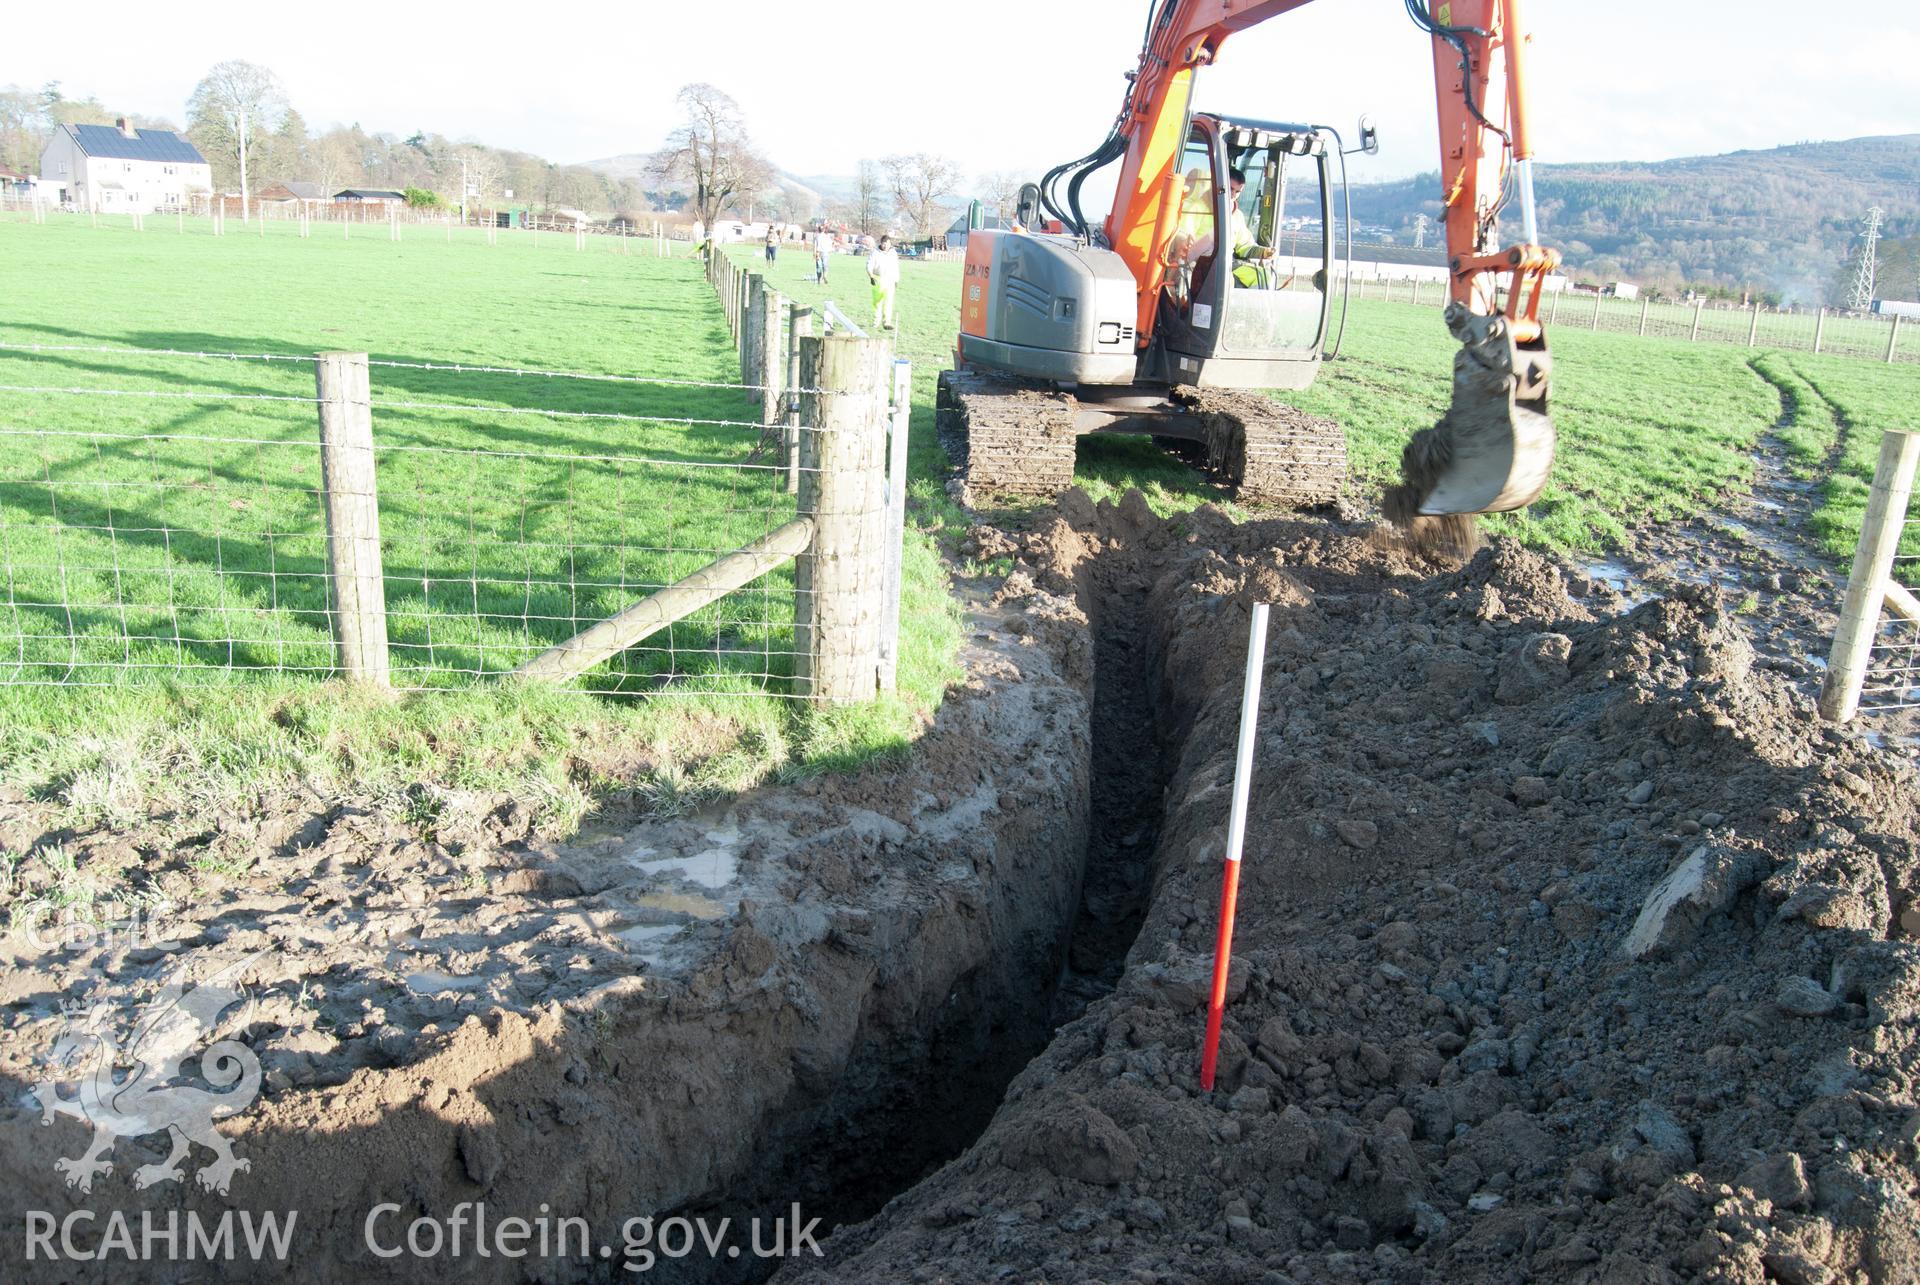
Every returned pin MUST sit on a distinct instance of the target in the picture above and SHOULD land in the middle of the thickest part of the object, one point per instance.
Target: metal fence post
(1866, 597)
(839, 582)
(897, 428)
(356, 586)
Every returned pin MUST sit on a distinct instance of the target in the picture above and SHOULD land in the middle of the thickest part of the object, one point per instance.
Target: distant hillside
(1780, 221)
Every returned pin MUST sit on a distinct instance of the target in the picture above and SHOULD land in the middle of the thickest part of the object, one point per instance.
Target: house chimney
(126, 128)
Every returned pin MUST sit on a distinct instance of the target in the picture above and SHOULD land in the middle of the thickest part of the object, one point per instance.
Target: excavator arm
(1495, 447)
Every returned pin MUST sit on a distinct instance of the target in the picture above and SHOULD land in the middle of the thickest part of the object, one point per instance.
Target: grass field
(188, 562)
(164, 552)
(1650, 429)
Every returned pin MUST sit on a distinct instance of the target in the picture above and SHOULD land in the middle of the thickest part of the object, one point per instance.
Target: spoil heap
(1571, 946)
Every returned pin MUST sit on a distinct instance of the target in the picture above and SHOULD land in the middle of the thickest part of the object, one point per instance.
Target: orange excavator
(1200, 285)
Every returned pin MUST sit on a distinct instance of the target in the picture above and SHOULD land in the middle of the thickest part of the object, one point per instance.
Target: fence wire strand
(136, 549)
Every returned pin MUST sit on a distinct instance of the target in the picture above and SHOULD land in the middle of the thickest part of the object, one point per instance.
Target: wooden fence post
(750, 347)
(1699, 306)
(767, 327)
(1893, 339)
(840, 582)
(799, 326)
(1646, 306)
(1553, 308)
(899, 422)
(1753, 326)
(356, 587)
(1819, 329)
(1598, 299)
(1866, 597)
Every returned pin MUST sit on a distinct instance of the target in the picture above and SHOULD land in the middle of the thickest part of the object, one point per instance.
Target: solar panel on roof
(108, 143)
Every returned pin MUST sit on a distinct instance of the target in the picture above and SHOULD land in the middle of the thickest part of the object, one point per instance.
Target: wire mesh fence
(362, 220)
(1892, 679)
(1873, 336)
(164, 518)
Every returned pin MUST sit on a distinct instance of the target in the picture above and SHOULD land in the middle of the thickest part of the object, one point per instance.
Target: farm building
(14, 183)
(119, 168)
(371, 196)
(292, 192)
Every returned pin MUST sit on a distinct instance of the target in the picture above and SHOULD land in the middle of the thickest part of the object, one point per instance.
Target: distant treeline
(345, 156)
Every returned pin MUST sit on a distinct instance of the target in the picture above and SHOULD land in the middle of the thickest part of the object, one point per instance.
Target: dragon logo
(140, 1087)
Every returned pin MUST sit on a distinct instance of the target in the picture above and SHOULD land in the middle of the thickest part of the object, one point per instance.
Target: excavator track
(1271, 454)
(1007, 437)
(1014, 439)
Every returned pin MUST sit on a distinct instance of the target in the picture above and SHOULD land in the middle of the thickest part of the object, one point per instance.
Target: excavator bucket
(1494, 450)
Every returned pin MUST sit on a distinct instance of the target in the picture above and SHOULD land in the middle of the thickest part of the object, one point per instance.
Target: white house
(117, 168)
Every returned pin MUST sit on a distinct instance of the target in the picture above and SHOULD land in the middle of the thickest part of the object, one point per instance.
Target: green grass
(164, 554)
(1860, 400)
(211, 696)
(1650, 430)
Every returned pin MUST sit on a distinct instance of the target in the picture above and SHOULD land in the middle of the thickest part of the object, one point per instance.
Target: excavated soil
(1571, 946)
(808, 994)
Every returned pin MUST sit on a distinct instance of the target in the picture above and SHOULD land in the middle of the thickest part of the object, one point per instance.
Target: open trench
(910, 1109)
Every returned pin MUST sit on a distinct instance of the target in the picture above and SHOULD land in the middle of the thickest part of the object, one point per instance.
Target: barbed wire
(179, 394)
(394, 364)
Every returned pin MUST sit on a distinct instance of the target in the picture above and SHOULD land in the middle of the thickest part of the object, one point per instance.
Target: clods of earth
(1571, 946)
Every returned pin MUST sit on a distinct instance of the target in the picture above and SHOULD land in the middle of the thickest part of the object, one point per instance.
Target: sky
(996, 84)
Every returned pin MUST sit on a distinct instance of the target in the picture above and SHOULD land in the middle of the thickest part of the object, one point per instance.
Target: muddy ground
(721, 1013)
(1571, 946)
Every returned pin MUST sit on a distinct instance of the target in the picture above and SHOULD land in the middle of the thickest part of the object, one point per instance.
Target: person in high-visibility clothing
(883, 269)
(1250, 258)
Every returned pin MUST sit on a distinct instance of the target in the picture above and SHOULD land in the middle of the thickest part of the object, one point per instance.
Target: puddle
(640, 936)
(439, 983)
(714, 867)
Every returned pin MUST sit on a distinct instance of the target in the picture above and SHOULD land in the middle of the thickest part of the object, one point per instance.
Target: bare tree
(486, 175)
(711, 153)
(1000, 192)
(869, 194)
(23, 129)
(920, 182)
(231, 103)
(336, 162)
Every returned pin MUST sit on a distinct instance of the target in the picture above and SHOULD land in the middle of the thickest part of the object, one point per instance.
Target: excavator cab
(1246, 301)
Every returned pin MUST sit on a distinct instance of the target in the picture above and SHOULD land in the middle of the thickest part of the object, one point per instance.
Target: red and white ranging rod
(1236, 839)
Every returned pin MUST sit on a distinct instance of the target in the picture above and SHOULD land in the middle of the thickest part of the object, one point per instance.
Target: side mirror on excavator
(1369, 137)
(1027, 207)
